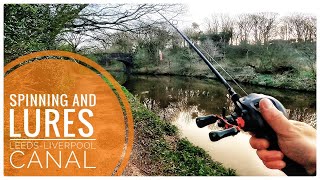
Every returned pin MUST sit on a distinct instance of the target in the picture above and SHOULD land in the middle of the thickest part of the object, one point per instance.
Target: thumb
(275, 118)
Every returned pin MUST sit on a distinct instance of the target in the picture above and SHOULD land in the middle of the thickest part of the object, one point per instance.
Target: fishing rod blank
(234, 95)
(224, 70)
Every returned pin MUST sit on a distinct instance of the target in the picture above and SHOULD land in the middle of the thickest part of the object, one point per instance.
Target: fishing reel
(247, 117)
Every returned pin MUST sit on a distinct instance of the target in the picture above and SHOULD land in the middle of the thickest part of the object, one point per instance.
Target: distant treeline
(256, 28)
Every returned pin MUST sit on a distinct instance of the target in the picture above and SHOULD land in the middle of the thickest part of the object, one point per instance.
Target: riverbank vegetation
(158, 150)
(281, 64)
(258, 48)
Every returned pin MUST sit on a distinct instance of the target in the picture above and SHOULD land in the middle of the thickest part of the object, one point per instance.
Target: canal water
(181, 99)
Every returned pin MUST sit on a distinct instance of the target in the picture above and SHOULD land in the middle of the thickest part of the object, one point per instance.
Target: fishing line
(223, 69)
(172, 23)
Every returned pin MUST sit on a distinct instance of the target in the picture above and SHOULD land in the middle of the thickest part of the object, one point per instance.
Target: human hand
(297, 140)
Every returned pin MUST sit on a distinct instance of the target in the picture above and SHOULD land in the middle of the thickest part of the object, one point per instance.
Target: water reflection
(167, 96)
(120, 76)
(180, 100)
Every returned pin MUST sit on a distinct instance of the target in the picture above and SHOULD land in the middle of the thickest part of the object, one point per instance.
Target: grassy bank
(245, 74)
(280, 64)
(158, 150)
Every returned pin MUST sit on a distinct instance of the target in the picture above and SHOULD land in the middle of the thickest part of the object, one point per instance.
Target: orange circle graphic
(62, 119)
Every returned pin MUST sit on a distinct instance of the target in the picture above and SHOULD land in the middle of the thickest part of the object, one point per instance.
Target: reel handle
(217, 135)
(206, 120)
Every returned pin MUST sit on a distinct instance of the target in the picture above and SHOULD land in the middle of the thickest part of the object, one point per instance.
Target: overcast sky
(201, 9)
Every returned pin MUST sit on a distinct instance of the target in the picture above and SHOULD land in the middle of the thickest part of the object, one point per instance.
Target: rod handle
(292, 168)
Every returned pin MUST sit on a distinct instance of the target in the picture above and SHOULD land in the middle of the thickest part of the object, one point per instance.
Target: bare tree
(311, 28)
(298, 26)
(263, 23)
(303, 26)
(212, 24)
(256, 20)
(226, 22)
(228, 25)
(100, 21)
(220, 23)
(73, 40)
(124, 17)
(297, 23)
(261, 27)
(244, 25)
(285, 30)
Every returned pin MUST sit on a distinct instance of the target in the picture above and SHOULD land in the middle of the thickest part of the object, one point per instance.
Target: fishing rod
(233, 94)
(246, 115)
(233, 80)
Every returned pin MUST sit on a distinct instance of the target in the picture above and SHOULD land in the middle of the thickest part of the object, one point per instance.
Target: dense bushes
(34, 27)
(278, 57)
(280, 64)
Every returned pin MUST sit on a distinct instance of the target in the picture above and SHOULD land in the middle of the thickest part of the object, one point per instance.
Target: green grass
(281, 64)
(190, 160)
(266, 80)
(165, 157)
(286, 81)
